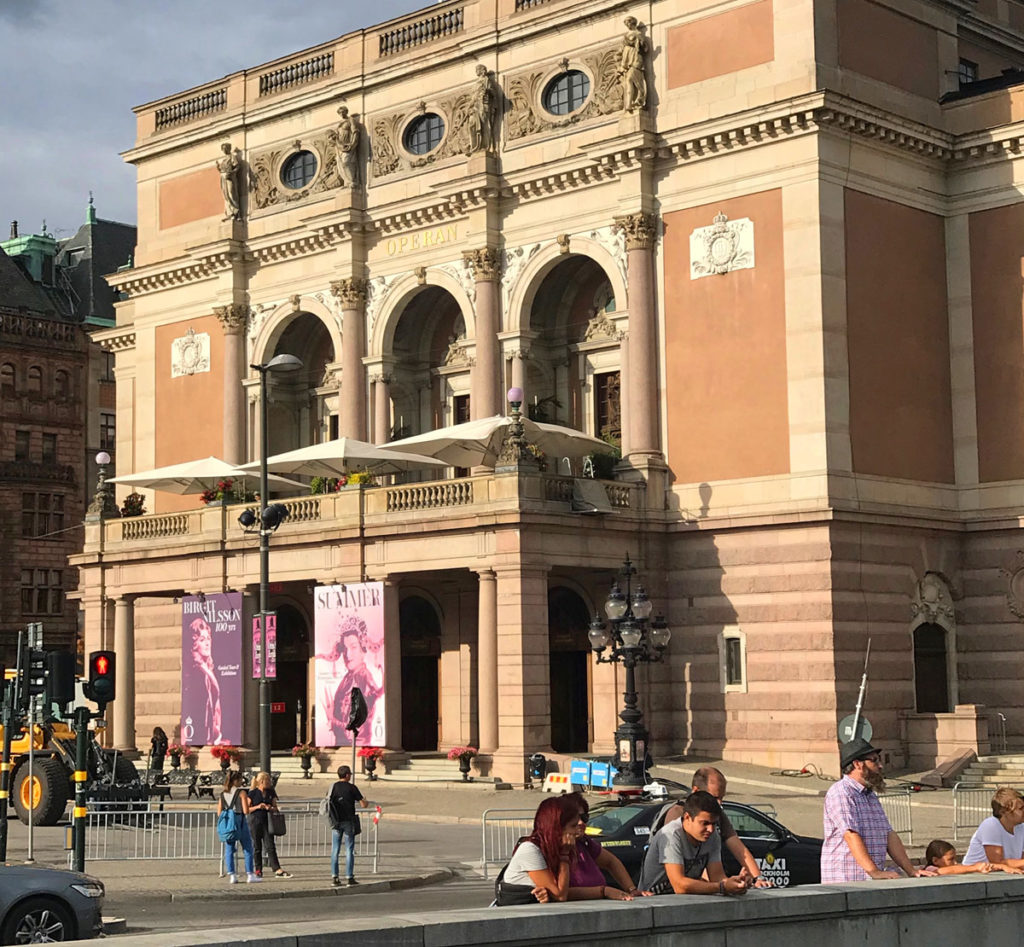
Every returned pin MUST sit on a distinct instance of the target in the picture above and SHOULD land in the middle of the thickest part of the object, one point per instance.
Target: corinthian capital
(486, 263)
(641, 230)
(233, 318)
(351, 292)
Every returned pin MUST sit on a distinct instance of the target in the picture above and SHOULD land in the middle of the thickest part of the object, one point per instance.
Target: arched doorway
(420, 632)
(931, 671)
(568, 620)
(288, 692)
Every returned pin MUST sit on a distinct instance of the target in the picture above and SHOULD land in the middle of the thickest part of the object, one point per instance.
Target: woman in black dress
(158, 749)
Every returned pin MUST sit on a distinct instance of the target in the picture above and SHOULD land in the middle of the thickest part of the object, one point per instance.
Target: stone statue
(483, 112)
(229, 167)
(631, 74)
(348, 148)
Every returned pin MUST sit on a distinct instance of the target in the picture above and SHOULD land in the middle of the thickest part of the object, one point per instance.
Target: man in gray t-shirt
(684, 849)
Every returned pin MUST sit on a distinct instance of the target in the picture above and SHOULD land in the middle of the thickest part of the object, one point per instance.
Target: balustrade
(529, 4)
(422, 31)
(135, 528)
(191, 109)
(309, 70)
(430, 496)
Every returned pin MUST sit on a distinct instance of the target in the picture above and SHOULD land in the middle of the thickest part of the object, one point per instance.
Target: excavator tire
(47, 796)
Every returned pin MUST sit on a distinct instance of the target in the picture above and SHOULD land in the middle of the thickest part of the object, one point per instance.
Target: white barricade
(897, 808)
(971, 804)
(144, 830)
(501, 829)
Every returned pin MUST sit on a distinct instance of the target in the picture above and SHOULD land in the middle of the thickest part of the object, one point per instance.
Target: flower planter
(307, 763)
(175, 761)
(370, 764)
(464, 764)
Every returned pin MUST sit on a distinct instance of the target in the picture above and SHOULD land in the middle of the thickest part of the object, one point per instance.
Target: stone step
(1013, 759)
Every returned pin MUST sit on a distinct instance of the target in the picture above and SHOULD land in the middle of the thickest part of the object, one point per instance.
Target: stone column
(642, 394)
(519, 357)
(234, 319)
(381, 408)
(624, 442)
(352, 398)
(124, 647)
(487, 661)
(392, 665)
(485, 399)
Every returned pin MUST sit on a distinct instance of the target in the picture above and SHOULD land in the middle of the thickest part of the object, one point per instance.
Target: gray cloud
(73, 71)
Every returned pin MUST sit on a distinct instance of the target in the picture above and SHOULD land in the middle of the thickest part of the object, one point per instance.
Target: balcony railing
(297, 73)
(409, 35)
(178, 113)
(430, 496)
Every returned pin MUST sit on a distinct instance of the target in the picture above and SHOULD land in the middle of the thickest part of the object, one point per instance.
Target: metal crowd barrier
(501, 829)
(897, 808)
(147, 830)
(971, 804)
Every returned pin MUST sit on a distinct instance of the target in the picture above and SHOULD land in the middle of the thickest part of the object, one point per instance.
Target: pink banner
(272, 646)
(257, 648)
(349, 623)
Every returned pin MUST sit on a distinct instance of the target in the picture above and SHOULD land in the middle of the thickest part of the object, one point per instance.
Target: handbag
(357, 826)
(276, 824)
(509, 895)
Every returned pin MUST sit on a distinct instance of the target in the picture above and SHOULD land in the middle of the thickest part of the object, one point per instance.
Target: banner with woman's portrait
(211, 669)
(349, 621)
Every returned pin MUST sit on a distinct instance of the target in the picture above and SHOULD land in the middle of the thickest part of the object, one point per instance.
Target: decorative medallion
(1015, 592)
(725, 246)
(190, 354)
(933, 602)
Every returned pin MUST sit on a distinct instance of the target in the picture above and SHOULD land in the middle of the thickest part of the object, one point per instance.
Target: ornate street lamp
(270, 518)
(634, 638)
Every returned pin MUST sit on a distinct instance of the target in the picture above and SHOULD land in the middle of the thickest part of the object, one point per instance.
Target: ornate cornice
(116, 340)
(233, 318)
(641, 230)
(350, 291)
(485, 263)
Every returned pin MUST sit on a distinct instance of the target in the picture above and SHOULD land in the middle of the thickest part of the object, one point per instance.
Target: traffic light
(101, 677)
(33, 677)
(60, 679)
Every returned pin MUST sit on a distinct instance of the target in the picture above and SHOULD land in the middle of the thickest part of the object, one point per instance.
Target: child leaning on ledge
(940, 859)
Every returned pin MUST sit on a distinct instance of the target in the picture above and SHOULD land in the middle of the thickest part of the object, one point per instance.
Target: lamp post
(634, 638)
(270, 518)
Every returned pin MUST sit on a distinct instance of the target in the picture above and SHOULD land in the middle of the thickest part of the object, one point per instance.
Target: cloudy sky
(73, 70)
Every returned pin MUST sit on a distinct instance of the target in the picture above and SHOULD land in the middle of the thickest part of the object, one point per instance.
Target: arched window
(35, 380)
(8, 387)
(931, 682)
(61, 385)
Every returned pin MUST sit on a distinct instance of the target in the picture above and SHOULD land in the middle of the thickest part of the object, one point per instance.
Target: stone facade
(773, 247)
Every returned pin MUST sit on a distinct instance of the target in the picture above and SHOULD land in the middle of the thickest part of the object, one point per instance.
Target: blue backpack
(229, 826)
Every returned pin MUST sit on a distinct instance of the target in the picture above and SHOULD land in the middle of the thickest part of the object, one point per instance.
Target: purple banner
(211, 665)
(272, 646)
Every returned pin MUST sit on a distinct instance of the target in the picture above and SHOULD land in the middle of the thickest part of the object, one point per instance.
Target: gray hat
(854, 750)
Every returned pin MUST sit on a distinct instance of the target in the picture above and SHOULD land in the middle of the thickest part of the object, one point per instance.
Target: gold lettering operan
(435, 237)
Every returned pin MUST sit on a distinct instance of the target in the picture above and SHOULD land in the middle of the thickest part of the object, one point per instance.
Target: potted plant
(176, 751)
(464, 754)
(327, 484)
(305, 752)
(226, 754)
(134, 505)
(226, 492)
(363, 477)
(369, 755)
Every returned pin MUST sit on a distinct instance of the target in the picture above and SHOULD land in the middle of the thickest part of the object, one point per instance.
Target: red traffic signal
(101, 687)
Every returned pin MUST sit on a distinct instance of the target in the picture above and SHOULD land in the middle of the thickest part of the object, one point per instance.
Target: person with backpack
(232, 827)
(341, 811)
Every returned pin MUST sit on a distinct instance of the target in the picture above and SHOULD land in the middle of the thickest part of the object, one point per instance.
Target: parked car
(48, 905)
(625, 826)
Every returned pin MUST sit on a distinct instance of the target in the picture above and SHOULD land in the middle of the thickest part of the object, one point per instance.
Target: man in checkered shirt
(857, 831)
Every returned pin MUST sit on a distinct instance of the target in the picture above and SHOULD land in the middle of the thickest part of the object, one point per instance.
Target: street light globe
(615, 606)
(284, 363)
(103, 458)
(642, 605)
(660, 634)
(598, 635)
(630, 633)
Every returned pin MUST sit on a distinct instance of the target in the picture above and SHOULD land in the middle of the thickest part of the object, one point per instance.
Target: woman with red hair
(541, 865)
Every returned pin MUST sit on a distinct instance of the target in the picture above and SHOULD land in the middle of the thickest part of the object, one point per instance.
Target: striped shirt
(851, 807)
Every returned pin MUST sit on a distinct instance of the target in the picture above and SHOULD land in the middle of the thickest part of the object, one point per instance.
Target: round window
(566, 93)
(298, 170)
(423, 134)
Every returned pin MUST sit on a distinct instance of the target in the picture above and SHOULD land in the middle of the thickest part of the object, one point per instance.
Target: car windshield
(748, 825)
(611, 820)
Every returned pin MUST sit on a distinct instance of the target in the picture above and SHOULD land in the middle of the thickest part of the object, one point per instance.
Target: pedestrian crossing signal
(101, 687)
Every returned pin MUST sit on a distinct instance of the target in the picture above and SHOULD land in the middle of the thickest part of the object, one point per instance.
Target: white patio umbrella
(478, 443)
(195, 476)
(342, 456)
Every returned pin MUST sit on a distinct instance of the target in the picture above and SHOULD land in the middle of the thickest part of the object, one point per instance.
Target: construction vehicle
(111, 776)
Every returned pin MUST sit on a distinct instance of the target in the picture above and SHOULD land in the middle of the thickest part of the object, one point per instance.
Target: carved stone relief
(376, 289)
(462, 273)
(513, 262)
(613, 239)
(526, 116)
(933, 602)
(265, 169)
(1014, 573)
(600, 328)
(725, 246)
(190, 354)
(457, 356)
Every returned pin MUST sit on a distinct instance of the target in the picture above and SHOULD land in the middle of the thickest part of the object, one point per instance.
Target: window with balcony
(8, 387)
(42, 592)
(61, 385)
(50, 449)
(607, 410)
(42, 514)
(22, 442)
(34, 380)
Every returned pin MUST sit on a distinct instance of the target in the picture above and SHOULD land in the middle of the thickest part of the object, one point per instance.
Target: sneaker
(281, 873)
(352, 881)
(252, 877)
(335, 882)
(232, 879)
